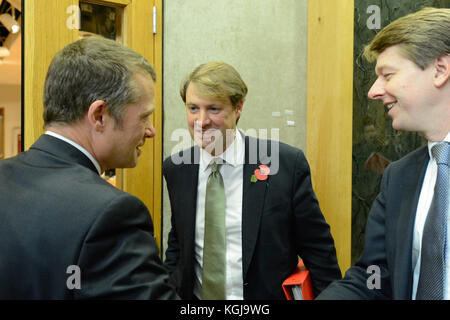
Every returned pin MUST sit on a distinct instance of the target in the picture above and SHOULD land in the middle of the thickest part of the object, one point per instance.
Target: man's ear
(442, 70)
(239, 107)
(96, 115)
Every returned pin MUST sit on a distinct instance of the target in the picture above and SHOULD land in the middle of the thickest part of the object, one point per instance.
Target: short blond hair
(423, 36)
(216, 80)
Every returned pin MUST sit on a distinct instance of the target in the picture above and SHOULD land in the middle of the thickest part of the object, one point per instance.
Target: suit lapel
(412, 185)
(188, 177)
(252, 207)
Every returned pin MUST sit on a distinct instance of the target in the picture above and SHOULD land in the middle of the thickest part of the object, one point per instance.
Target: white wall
(265, 40)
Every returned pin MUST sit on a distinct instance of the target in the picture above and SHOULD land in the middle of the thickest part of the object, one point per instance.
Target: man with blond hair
(406, 254)
(243, 209)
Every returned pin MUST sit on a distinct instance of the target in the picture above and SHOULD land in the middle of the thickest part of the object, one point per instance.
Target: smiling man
(406, 253)
(58, 214)
(234, 236)
(211, 120)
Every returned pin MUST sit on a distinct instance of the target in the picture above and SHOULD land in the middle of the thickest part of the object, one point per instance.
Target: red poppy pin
(261, 174)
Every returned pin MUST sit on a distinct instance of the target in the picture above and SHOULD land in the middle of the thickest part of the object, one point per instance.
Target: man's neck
(438, 119)
(439, 130)
(78, 134)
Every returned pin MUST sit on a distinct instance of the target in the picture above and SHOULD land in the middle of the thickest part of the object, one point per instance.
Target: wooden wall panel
(46, 32)
(329, 115)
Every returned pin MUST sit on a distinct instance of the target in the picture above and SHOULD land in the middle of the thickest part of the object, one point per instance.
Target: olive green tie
(214, 245)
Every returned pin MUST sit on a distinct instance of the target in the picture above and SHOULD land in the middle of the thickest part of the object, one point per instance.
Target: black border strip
(22, 93)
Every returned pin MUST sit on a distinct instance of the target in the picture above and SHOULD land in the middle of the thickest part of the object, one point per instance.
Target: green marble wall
(375, 143)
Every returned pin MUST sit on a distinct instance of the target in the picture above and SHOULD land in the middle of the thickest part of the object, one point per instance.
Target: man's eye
(387, 76)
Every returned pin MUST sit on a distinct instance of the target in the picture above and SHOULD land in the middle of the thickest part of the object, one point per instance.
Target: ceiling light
(9, 22)
(4, 52)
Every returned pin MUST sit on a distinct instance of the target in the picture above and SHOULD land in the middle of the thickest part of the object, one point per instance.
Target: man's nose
(203, 118)
(377, 90)
(150, 131)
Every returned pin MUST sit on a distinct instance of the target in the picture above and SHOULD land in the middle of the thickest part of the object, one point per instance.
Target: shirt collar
(431, 144)
(233, 155)
(76, 145)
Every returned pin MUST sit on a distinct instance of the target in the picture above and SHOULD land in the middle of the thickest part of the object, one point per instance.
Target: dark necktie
(214, 246)
(432, 266)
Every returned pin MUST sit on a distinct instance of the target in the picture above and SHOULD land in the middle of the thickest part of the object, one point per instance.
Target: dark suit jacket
(56, 211)
(389, 236)
(281, 219)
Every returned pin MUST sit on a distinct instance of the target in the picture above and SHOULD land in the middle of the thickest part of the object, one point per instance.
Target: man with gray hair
(66, 232)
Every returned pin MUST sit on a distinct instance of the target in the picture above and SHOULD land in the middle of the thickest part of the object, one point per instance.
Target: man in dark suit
(270, 218)
(413, 68)
(66, 232)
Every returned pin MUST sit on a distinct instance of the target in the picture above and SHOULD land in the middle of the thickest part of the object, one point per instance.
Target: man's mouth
(206, 132)
(390, 105)
(139, 151)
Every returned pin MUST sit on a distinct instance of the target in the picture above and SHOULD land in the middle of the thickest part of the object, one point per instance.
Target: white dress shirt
(76, 145)
(425, 198)
(232, 172)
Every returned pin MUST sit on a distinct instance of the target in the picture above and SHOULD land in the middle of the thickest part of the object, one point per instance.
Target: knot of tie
(441, 152)
(215, 167)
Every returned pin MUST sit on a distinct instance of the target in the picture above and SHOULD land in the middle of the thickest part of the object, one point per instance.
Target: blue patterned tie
(434, 239)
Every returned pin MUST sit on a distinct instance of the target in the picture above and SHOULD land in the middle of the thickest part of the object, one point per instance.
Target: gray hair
(92, 69)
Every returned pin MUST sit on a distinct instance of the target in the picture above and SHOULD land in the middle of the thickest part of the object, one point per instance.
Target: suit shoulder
(186, 156)
(96, 188)
(283, 148)
(287, 148)
(420, 154)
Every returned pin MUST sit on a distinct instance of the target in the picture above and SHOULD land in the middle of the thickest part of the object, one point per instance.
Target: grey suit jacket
(389, 236)
(57, 212)
(281, 219)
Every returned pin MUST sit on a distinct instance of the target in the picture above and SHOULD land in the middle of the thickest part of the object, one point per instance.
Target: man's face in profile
(406, 90)
(122, 142)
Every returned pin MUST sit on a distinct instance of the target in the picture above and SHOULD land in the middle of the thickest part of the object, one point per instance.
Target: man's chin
(132, 163)
(214, 149)
(203, 144)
